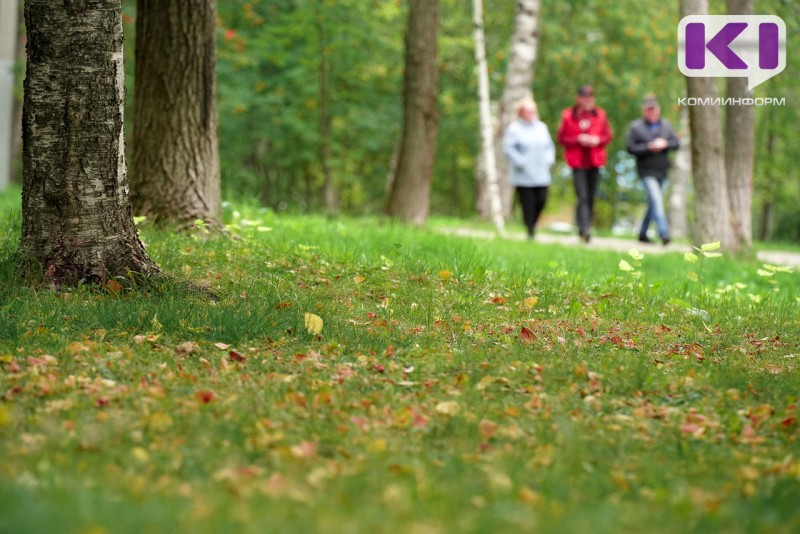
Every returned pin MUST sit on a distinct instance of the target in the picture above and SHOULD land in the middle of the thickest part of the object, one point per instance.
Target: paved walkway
(788, 259)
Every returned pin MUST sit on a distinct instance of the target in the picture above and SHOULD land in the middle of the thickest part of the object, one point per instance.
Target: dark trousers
(532, 200)
(585, 181)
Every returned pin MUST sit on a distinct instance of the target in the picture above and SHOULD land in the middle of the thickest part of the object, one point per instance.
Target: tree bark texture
(487, 138)
(740, 148)
(175, 159)
(712, 214)
(77, 222)
(409, 199)
(518, 85)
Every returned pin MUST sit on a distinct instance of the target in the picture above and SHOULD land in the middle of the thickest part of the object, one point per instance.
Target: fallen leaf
(236, 357)
(205, 396)
(313, 323)
(487, 428)
(527, 335)
(448, 408)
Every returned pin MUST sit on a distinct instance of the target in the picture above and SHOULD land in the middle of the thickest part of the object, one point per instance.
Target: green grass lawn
(355, 375)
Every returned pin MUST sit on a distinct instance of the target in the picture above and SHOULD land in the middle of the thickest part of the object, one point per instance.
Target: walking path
(775, 257)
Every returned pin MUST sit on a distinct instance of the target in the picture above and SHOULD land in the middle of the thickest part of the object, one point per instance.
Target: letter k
(719, 45)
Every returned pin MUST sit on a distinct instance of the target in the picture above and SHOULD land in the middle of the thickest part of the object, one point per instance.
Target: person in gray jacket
(530, 152)
(650, 139)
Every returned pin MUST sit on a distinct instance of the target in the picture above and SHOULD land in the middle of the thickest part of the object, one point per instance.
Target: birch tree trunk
(409, 199)
(8, 49)
(679, 178)
(487, 139)
(76, 215)
(175, 157)
(712, 214)
(740, 148)
(518, 84)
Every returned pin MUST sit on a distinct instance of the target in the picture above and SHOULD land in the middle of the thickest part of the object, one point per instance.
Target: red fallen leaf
(527, 335)
(789, 421)
(101, 403)
(236, 357)
(499, 300)
(205, 396)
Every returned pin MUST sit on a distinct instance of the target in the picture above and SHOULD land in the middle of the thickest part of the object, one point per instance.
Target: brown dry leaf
(487, 428)
(112, 286)
(304, 449)
(187, 348)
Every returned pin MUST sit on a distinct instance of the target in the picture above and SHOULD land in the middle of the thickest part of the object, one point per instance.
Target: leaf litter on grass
(434, 395)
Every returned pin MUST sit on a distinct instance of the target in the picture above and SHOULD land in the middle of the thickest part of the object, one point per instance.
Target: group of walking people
(584, 133)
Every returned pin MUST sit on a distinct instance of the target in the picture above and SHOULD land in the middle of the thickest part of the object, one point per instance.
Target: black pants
(532, 200)
(585, 181)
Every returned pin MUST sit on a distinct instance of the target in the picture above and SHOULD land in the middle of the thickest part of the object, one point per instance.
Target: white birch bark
(518, 84)
(487, 139)
(77, 222)
(8, 41)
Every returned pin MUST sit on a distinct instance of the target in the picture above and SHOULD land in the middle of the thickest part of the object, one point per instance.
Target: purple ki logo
(751, 46)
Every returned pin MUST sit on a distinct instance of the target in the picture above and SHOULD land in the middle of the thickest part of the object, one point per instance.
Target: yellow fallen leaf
(313, 323)
(140, 455)
(5, 416)
(448, 407)
(359, 279)
(528, 496)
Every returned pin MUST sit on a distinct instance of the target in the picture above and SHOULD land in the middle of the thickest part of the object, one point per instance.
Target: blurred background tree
(310, 92)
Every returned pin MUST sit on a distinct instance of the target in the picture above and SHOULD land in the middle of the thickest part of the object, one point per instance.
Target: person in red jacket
(584, 133)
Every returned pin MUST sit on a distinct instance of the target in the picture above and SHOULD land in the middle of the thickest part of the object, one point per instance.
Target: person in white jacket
(530, 152)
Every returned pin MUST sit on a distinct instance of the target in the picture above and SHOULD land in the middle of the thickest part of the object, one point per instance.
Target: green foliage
(450, 384)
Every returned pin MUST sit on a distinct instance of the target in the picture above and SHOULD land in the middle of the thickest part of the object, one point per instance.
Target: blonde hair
(528, 102)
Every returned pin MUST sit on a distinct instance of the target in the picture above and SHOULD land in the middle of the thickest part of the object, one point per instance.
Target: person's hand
(659, 144)
(584, 139)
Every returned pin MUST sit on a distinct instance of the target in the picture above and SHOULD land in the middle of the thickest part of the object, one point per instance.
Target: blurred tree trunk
(492, 188)
(740, 148)
(768, 196)
(175, 162)
(8, 56)
(76, 215)
(679, 178)
(409, 199)
(324, 115)
(518, 85)
(712, 213)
